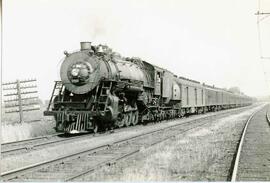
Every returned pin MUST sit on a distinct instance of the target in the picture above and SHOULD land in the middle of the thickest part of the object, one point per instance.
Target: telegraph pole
(22, 101)
(19, 100)
(261, 16)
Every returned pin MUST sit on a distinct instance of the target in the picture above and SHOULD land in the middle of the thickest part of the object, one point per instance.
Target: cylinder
(85, 46)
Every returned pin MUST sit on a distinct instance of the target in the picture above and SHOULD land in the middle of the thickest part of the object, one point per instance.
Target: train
(100, 89)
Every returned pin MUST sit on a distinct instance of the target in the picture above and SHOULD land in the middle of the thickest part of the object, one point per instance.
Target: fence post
(19, 100)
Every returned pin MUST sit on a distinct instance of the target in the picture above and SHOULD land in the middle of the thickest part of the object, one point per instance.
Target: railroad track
(24, 146)
(74, 166)
(9, 147)
(28, 145)
(249, 160)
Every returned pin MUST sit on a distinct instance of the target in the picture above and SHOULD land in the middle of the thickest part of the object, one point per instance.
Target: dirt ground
(205, 154)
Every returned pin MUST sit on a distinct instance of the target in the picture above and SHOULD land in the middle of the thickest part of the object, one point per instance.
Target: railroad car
(100, 89)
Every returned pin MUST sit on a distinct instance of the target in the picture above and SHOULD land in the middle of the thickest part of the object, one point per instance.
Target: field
(35, 125)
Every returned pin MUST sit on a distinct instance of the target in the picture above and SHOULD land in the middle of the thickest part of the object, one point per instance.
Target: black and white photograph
(135, 90)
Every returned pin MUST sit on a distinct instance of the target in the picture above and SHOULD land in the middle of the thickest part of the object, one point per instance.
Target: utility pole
(261, 16)
(19, 100)
(22, 102)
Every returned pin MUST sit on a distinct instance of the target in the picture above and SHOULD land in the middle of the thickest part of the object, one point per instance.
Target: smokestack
(85, 46)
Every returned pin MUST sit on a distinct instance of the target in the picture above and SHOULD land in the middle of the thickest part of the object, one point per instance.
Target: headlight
(75, 72)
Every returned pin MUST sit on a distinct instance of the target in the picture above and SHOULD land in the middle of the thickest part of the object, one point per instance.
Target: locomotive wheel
(120, 120)
(128, 119)
(131, 118)
(135, 118)
(162, 115)
(95, 127)
(59, 127)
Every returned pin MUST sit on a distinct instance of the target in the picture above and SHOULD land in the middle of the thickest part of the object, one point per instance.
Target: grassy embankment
(39, 125)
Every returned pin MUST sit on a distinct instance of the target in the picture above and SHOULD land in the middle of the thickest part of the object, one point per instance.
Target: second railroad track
(72, 167)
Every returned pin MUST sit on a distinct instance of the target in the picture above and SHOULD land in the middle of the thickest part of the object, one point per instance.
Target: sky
(211, 41)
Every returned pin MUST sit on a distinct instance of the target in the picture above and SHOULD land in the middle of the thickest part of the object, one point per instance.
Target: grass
(16, 131)
(201, 155)
(12, 130)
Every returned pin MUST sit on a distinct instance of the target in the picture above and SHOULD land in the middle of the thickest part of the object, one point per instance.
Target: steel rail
(268, 115)
(13, 173)
(20, 171)
(130, 153)
(240, 146)
(29, 146)
(22, 146)
(23, 170)
(5, 151)
(30, 139)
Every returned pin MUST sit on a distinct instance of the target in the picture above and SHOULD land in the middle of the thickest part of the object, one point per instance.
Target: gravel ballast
(205, 154)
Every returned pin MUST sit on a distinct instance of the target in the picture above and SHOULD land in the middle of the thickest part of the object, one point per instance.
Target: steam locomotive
(100, 89)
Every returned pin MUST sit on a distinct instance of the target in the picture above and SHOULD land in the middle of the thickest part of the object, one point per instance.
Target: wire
(259, 19)
(263, 18)
(260, 43)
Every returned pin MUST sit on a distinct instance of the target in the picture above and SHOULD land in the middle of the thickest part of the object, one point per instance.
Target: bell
(105, 48)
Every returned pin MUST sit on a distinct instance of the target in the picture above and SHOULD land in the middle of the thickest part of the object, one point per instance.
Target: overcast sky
(212, 41)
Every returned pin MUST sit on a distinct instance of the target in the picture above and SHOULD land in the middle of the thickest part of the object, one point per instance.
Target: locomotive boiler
(100, 89)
